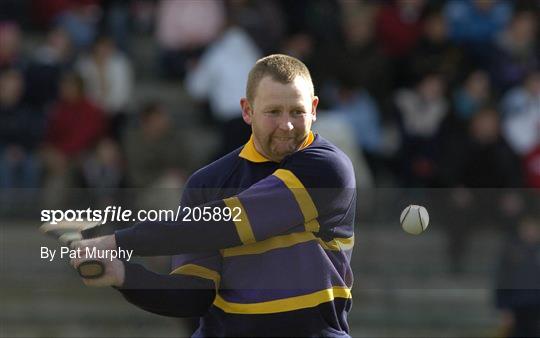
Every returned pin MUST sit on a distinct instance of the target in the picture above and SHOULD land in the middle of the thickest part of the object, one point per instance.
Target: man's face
(280, 116)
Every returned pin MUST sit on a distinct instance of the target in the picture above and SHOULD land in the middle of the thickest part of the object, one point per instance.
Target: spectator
(52, 59)
(217, 79)
(10, 46)
(474, 93)
(143, 16)
(399, 26)
(421, 112)
(435, 52)
(80, 19)
(316, 18)
(156, 156)
(521, 123)
(481, 159)
(518, 277)
(103, 173)
(517, 52)
(108, 79)
(184, 29)
(21, 131)
(361, 59)
(45, 12)
(116, 20)
(154, 149)
(362, 114)
(57, 49)
(531, 168)
(262, 20)
(300, 46)
(478, 159)
(75, 124)
(474, 25)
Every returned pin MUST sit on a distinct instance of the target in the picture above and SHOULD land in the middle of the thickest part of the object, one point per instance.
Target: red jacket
(396, 35)
(75, 126)
(531, 164)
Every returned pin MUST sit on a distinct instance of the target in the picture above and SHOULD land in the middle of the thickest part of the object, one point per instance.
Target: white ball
(414, 219)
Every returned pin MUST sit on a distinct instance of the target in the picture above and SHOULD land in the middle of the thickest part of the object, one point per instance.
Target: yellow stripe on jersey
(198, 271)
(338, 244)
(275, 242)
(312, 226)
(286, 241)
(243, 227)
(309, 211)
(285, 304)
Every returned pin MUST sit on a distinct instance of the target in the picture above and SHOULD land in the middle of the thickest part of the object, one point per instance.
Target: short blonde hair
(281, 68)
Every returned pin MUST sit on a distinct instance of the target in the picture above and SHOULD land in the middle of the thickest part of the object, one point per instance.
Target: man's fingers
(88, 268)
(75, 262)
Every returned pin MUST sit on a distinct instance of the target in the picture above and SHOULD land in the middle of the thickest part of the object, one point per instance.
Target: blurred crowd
(429, 93)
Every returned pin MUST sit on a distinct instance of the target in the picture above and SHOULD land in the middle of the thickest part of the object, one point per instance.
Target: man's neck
(258, 148)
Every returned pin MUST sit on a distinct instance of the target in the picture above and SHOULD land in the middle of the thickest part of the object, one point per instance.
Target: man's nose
(286, 124)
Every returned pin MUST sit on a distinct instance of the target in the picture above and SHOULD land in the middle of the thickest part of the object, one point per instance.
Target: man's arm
(186, 292)
(175, 295)
(309, 188)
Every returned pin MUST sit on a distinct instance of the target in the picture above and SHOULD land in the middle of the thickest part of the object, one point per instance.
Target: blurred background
(436, 102)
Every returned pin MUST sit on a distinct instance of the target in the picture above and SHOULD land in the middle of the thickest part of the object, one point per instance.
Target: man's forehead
(299, 81)
(272, 90)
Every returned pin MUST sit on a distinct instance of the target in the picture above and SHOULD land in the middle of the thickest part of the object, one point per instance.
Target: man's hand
(114, 272)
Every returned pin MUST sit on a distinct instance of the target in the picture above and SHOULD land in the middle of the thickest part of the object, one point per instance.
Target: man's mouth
(283, 138)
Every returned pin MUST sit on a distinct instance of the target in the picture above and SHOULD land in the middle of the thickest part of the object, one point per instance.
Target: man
(517, 279)
(282, 267)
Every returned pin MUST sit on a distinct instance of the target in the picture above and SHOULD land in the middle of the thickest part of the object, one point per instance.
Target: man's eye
(298, 113)
(273, 112)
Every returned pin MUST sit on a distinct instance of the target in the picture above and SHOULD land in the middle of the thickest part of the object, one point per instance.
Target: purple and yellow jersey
(283, 266)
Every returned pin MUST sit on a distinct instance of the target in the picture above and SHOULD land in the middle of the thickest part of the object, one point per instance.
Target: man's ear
(247, 112)
(314, 104)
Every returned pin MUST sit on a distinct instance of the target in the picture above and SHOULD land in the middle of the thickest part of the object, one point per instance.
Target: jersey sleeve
(310, 185)
(175, 295)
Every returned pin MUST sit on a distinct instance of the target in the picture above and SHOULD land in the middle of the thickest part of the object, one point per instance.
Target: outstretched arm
(308, 187)
(180, 294)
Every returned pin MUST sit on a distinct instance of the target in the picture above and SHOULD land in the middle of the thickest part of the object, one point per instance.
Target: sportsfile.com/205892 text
(120, 214)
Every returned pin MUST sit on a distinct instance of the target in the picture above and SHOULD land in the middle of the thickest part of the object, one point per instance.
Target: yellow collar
(251, 154)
